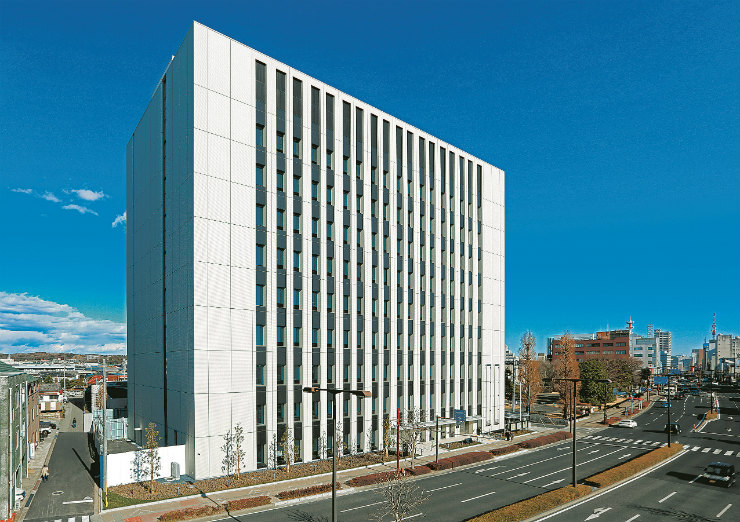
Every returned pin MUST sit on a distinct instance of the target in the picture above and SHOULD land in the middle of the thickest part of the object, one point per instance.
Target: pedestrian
(45, 473)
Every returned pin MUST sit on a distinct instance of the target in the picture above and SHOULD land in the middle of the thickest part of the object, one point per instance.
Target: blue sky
(618, 126)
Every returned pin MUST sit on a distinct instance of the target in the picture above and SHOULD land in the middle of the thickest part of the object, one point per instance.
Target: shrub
(306, 492)
(373, 478)
(246, 503)
(612, 420)
(186, 513)
(629, 468)
(496, 452)
(544, 439)
(534, 505)
(418, 470)
(711, 415)
(441, 464)
(470, 458)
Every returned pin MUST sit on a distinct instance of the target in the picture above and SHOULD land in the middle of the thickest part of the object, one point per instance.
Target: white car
(626, 423)
(20, 494)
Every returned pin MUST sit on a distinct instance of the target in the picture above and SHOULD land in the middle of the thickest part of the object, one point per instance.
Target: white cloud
(49, 196)
(119, 220)
(87, 195)
(22, 190)
(29, 323)
(80, 209)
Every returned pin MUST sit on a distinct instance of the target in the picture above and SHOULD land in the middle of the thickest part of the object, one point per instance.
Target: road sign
(459, 416)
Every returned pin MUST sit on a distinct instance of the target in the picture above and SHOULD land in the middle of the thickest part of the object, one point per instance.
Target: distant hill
(60, 356)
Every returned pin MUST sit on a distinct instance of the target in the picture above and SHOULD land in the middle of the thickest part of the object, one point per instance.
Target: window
(330, 231)
(260, 295)
(296, 298)
(296, 147)
(297, 223)
(315, 301)
(297, 409)
(330, 266)
(281, 220)
(281, 336)
(329, 160)
(280, 180)
(260, 135)
(296, 261)
(345, 200)
(314, 227)
(297, 185)
(359, 204)
(315, 264)
(260, 215)
(280, 294)
(280, 258)
(281, 374)
(330, 195)
(315, 154)
(345, 304)
(261, 420)
(296, 336)
(260, 335)
(260, 375)
(345, 235)
(330, 373)
(260, 255)
(314, 191)
(315, 338)
(329, 305)
(280, 142)
(358, 169)
(260, 176)
(345, 165)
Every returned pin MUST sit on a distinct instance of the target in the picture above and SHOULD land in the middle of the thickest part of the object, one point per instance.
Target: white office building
(282, 234)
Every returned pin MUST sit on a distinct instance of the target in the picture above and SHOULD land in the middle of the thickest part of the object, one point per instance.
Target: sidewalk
(150, 511)
(31, 483)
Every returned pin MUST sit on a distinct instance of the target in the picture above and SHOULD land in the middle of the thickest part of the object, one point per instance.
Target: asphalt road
(460, 494)
(70, 484)
(674, 491)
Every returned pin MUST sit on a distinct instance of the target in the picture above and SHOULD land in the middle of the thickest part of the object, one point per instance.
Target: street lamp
(334, 392)
(573, 411)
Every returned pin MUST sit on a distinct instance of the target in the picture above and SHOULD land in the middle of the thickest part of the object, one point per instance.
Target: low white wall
(87, 419)
(124, 467)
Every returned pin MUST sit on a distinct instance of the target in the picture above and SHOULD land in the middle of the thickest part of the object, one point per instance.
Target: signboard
(459, 416)
(658, 379)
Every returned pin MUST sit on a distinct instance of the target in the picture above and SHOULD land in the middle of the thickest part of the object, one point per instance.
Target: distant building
(663, 343)
(51, 398)
(722, 347)
(645, 349)
(19, 432)
(612, 344)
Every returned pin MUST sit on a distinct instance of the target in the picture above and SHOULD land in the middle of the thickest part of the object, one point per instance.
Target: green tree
(592, 391)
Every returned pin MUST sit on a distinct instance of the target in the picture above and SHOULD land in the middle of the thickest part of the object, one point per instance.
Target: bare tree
(530, 371)
(566, 367)
(401, 497)
(322, 445)
(238, 448)
(138, 466)
(411, 433)
(152, 460)
(228, 464)
(287, 443)
(387, 434)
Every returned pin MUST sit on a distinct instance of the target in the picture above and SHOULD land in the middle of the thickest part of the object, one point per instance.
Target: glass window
(281, 336)
(329, 159)
(345, 165)
(260, 335)
(260, 176)
(296, 298)
(281, 220)
(314, 191)
(280, 294)
(260, 135)
(260, 375)
(315, 154)
(280, 142)
(329, 304)
(314, 227)
(296, 261)
(260, 215)
(315, 264)
(345, 200)
(260, 295)
(345, 235)
(261, 420)
(296, 147)
(280, 258)
(315, 301)
(297, 408)
(260, 255)
(296, 335)
(329, 266)
(297, 223)
(330, 195)
(280, 180)
(329, 231)
(297, 185)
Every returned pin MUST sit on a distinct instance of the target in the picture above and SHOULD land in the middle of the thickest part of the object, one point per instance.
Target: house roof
(6, 368)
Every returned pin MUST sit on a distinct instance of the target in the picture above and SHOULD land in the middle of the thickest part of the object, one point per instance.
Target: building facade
(612, 344)
(645, 349)
(283, 234)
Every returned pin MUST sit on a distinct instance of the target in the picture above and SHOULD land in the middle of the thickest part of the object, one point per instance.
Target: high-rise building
(663, 344)
(282, 234)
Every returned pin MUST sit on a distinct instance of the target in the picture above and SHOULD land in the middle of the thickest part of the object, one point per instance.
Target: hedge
(246, 503)
(418, 470)
(373, 478)
(631, 467)
(496, 452)
(441, 464)
(534, 505)
(306, 492)
(186, 513)
(206, 511)
(544, 439)
(613, 420)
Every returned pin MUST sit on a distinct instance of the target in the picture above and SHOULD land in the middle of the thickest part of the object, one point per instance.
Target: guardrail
(544, 420)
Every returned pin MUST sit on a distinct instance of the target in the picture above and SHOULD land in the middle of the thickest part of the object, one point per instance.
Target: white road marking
(695, 448)
(666, 497)
(730, 452)
(705, 450)
(412, 516)
(443, 487)
(631, 519)
(570, 467)
(479, 496)
(553, 482)
(71, 519)
(717, 451)
(597, 513)
(85, 518)
(637, 442)
(83, 501)
(594, 451)
(517, 476)
(486, 469)
(723, 511)
(360, 507)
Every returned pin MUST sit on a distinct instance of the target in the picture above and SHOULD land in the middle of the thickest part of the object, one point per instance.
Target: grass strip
(632, 467)
(532, 506)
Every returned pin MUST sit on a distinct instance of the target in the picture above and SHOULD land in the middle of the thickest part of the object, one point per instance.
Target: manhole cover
(58, 493)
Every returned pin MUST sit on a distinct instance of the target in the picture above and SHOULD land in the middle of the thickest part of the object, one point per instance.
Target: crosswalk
(78, 518)
(656, 444)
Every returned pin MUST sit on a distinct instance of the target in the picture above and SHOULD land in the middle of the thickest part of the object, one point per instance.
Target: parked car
(662, 404)
(673, 427)
(626, 423)
(720, 473)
